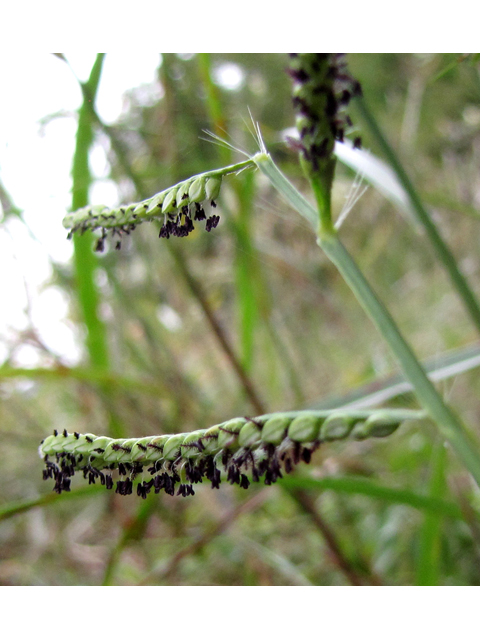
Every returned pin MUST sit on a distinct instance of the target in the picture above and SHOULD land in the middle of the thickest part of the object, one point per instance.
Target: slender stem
(12, 509)
(344, 564)
(359, 485)
(429, 560)
(85, 261)
(459, 281)
(449, 424)
(218, 331)
(266, 165)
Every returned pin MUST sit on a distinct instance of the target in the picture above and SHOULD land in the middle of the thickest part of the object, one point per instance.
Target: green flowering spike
(141, 208)
(322, 90)
(197, 191)
(336, 427)
(127, 448)
(62, 443)
(275, 429)
(86, 215)
(139, 449)
(120, 221)
(241, 450)
(101, 443)
(359, 431)
(212, 188)
(69, 442)
(379, 427)
(304, 428)
(47, 446)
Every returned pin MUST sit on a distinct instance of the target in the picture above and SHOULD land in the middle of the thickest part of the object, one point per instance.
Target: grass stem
(441, 248)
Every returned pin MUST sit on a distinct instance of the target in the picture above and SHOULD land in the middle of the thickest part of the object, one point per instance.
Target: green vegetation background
(263, 323)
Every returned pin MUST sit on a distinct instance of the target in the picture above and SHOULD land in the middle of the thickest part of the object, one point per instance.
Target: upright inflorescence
(240, 451)
(322, 90)
(177, 207)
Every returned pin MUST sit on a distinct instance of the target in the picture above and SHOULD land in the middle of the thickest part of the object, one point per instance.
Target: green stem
(266, 165)
(322, 190)
(358, 485)
(218, 331)
(337, 554)
(430, 536)
(443, 252)
(450, 426)
(85, 261)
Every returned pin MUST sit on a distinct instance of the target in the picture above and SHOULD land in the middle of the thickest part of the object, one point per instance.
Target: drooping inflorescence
(177, 207)
(240, 451)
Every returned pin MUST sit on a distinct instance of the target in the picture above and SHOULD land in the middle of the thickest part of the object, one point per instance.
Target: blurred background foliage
(180, 334)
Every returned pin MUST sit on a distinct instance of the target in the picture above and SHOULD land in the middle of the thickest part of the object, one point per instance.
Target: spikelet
(240, 451)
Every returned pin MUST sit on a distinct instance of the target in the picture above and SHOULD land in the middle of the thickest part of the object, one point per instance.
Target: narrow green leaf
(429, 556)
(439, 245)
(372, 489)
(15, 508)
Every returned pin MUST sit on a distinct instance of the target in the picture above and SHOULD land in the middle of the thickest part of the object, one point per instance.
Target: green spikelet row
(241, 450)
(178, 207)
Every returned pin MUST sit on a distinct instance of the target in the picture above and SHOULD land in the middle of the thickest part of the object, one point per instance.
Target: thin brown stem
(168, 570)
(218, 330)
(336, 552)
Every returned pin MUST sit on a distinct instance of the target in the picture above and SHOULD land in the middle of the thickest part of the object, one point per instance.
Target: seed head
(177, 207)
(241, 450)
(322, 90)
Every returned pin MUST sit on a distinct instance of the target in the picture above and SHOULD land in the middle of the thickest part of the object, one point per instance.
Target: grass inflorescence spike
(178, 208)
(322, 91)
(239, 451)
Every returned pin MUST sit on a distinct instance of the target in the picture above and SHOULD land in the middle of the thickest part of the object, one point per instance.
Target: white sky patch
(36, 152)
